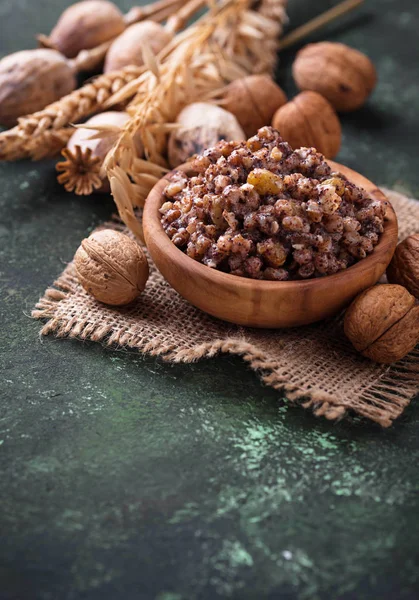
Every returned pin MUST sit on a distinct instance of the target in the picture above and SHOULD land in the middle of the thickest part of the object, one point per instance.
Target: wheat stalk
(229, 42)
(33, 133)
(38, 130)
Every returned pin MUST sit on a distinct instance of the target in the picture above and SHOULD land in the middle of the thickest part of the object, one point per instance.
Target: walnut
(127, 48)
(202, 125)
(309, 120)
(32, 79)
(253, 100)
(85, 25)
(111, 267)
(343, 75)
(383, 323)
(404, 267)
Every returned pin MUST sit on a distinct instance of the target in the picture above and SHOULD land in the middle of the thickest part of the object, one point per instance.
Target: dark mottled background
(124, 477)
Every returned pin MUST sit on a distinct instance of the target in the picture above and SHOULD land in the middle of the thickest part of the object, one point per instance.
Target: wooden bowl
(257, 303)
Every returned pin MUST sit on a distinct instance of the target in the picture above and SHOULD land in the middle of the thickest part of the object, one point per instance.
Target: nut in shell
(382, 323)
(30, 80)
(85, 25)
(343, 75)
(127, 48)
(404, 267)
(253, 100)
(309, 120)
(202, 125)
(111, 267)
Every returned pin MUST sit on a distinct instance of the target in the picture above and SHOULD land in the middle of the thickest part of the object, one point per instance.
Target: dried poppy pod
(85, 25)
(202, 126)
(253, 101)
(32, 79)
(343, 75)
(84, 156)
(111, 267)
(309, 120)
(127, 48)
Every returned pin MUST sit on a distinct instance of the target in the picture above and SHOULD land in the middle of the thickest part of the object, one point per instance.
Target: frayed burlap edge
(382, 401)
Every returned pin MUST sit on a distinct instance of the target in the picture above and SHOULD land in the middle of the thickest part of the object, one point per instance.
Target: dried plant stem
(156, 11)
(179, 19)
(318, 22)
(89, 60)
(125, 207)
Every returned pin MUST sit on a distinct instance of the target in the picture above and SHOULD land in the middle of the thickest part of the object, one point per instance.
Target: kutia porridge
(259, 209)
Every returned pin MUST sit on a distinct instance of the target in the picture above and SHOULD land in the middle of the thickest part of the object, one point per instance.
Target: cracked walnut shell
(111, 267)
(343, 75)
(404, 267)
(310, 121)
(383, 323)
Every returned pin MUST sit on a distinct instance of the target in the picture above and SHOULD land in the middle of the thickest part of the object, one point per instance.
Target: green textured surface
(124, 477)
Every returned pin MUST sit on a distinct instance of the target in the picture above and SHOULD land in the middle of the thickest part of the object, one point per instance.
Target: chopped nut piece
(273, 252)
(329, 199)
(276, 154)
(337, 183)
(174, 188)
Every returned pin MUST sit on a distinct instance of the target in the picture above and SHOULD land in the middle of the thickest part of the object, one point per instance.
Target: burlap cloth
(315, 365)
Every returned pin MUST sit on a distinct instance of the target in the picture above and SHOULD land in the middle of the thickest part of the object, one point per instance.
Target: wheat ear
(34, 131)
(41, 128)
(229, 42)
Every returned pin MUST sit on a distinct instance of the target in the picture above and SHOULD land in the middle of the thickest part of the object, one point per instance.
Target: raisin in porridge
(259, 209)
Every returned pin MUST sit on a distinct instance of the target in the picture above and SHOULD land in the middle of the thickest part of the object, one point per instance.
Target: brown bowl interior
(257, 303)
